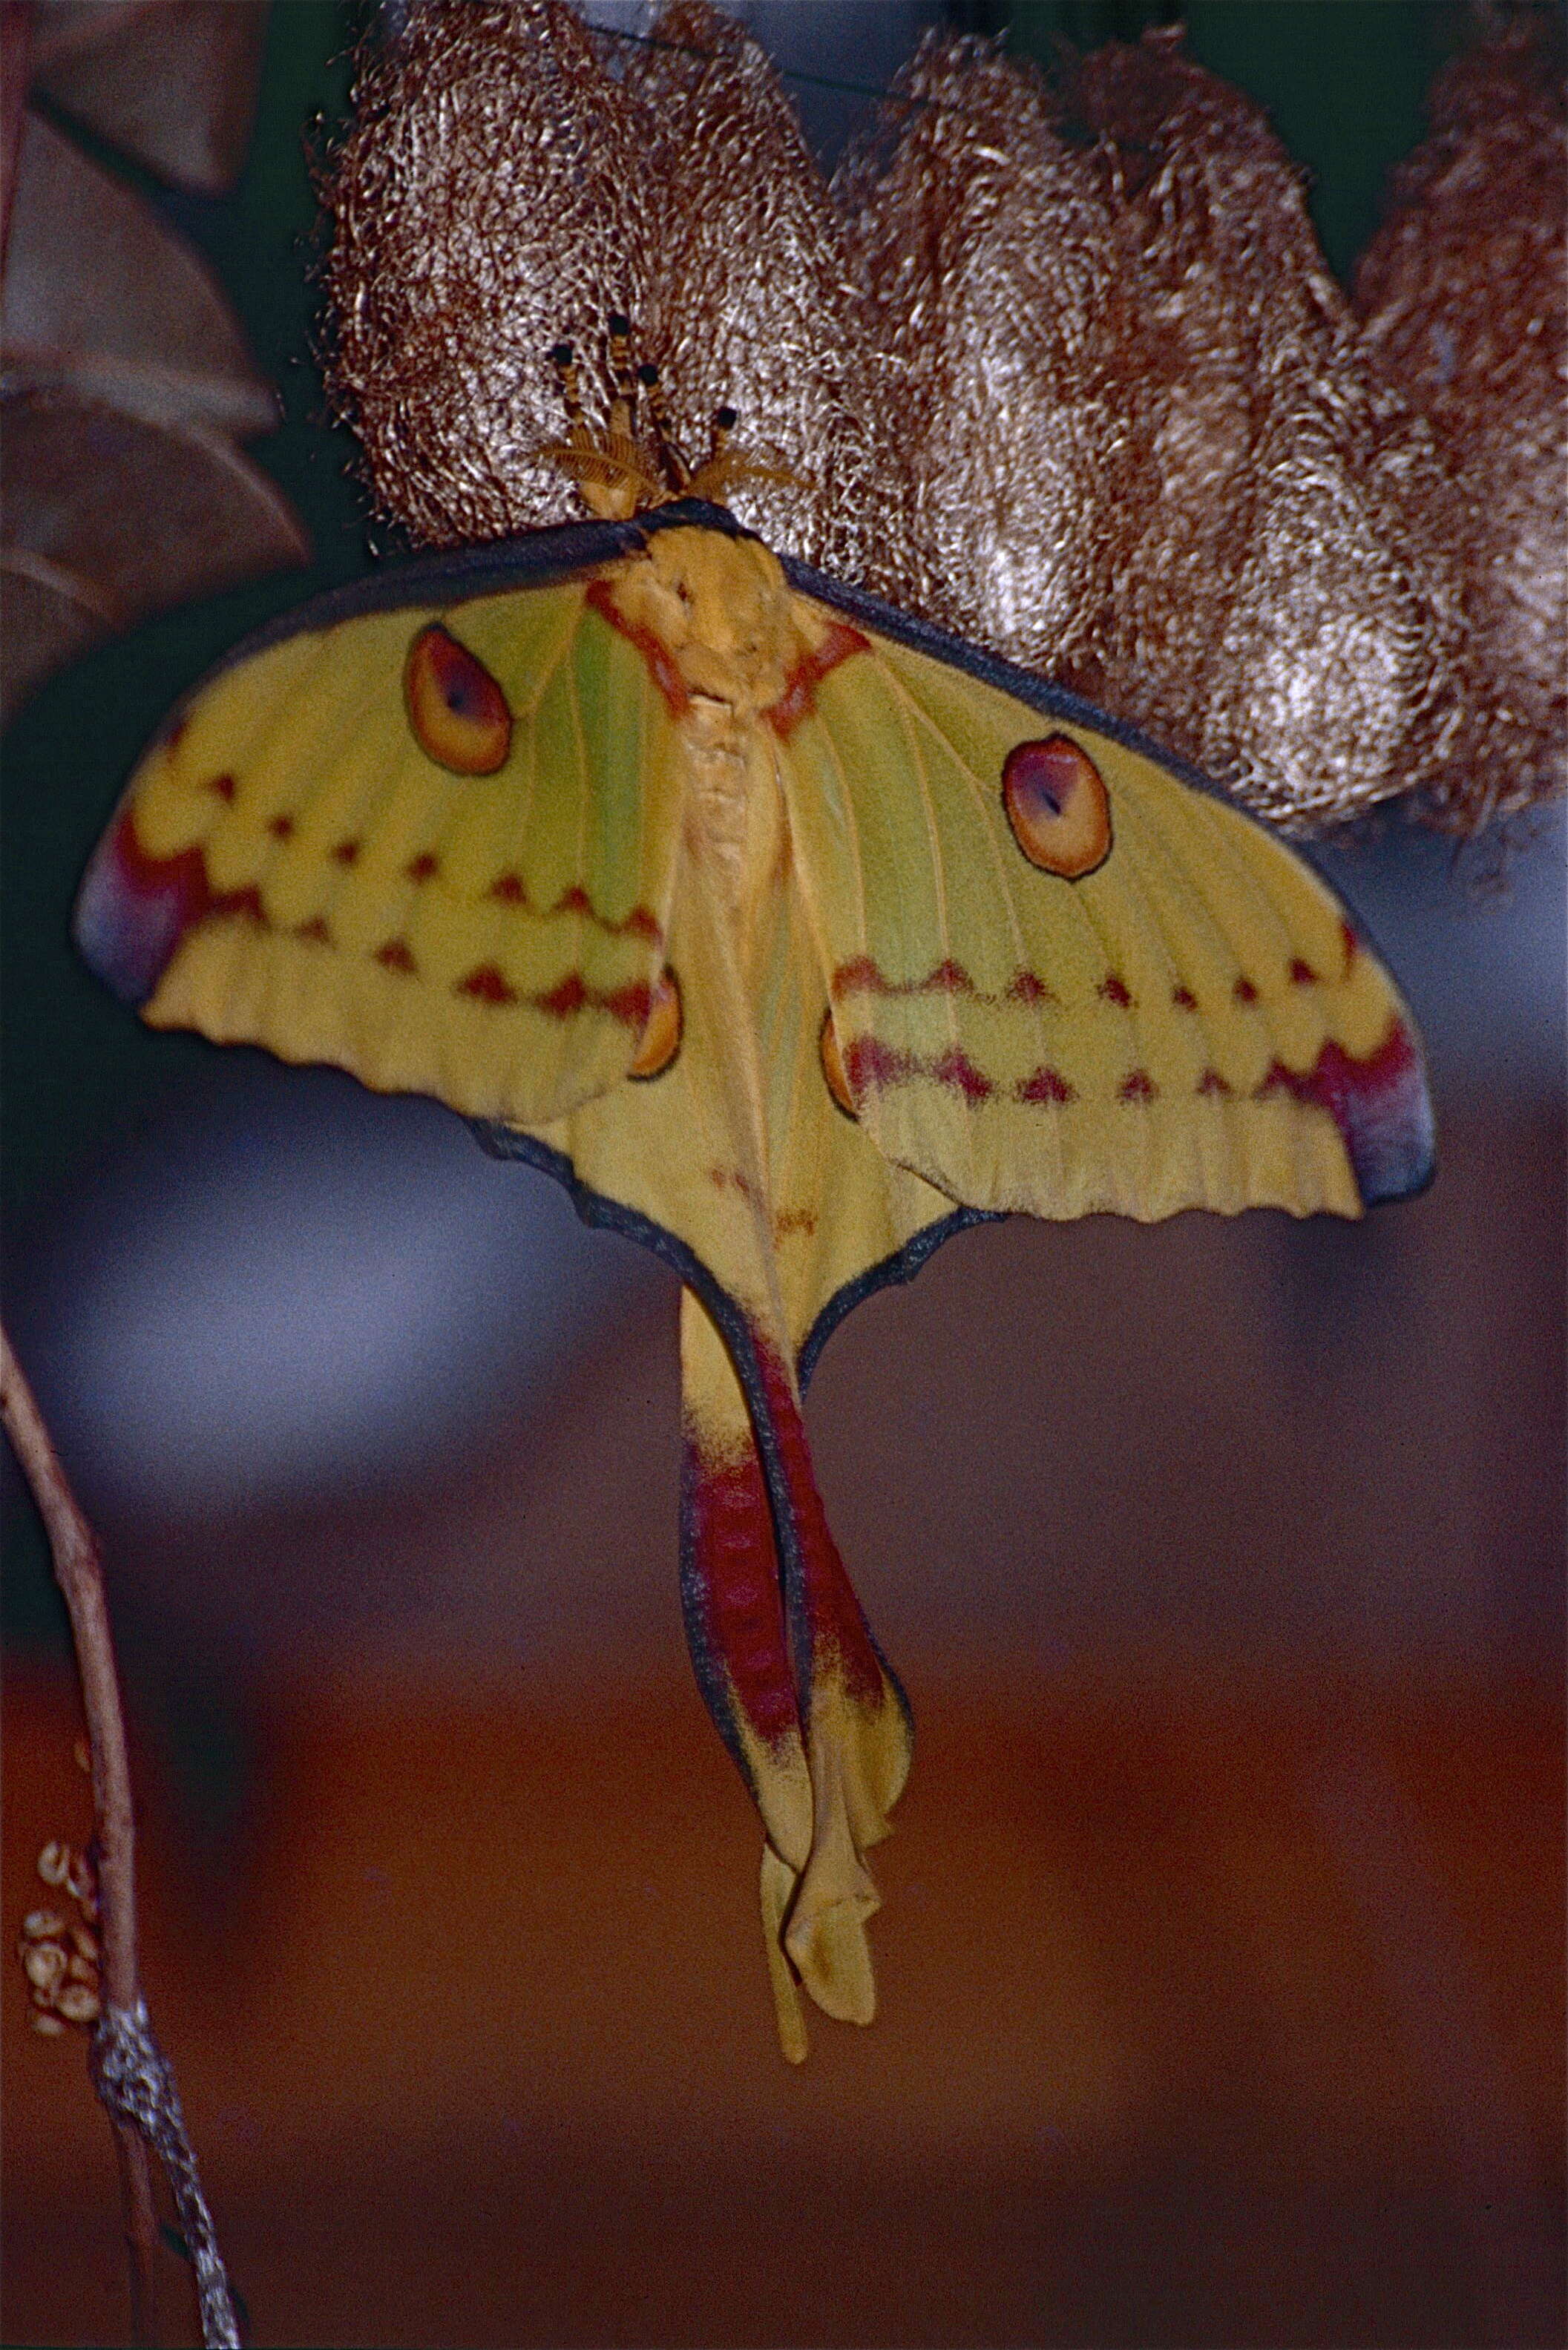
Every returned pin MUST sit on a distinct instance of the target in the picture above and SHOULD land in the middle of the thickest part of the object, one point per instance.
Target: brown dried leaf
(101, 298)
(106, 517)
(48, 616)
(1462, 292)
(124, 366)
(172, 82)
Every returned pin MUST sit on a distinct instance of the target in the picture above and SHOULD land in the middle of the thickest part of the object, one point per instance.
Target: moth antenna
(725, 468)
(622, 376)
(615, 475)
(676, 473)
(562, 358)
(622, 368)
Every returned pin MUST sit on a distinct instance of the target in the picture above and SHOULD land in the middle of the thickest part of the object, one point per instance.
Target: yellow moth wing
(776, 1201)
(1190, 1021)
(953, 993)
(466, 897)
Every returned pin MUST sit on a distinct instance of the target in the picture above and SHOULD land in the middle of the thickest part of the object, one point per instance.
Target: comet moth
(792, 934)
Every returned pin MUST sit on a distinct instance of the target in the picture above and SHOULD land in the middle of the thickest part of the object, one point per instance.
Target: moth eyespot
(662, 1029)
(457, 712)
(1057, 805)
(832, 1069)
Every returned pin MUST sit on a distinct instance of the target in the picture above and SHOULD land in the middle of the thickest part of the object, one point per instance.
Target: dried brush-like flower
(1150, 456)
(488, 201)
(1285, 587)
(754, 303)
(1464, 301)
(1004, 291)
(1060, 367)
(508, 183)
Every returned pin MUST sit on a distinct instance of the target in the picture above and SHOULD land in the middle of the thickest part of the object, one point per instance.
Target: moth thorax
(721, 606)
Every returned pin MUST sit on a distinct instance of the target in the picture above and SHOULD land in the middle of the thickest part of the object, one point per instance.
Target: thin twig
(130, 2073)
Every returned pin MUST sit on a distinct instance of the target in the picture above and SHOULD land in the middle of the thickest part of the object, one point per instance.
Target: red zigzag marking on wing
(487, 983)
(136, 909)
(511, 890)
(1378, 1103)
(798, 699)
(870, 1064)
(863, 976)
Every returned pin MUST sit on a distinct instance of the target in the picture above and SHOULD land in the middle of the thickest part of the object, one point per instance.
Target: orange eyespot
(832, 1066)
(662, 1030)
(457, 711)
(1058, 807)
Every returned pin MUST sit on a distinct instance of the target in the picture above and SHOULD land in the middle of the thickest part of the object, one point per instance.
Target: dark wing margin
(605, 1214)
(448, 577)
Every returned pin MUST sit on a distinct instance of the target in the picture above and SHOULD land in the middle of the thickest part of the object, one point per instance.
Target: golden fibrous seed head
(1461, 295)
(666, 182)
(1203, 511)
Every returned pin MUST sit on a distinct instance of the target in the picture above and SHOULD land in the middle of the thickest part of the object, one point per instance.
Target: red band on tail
(831, 1620)
(730, 1593)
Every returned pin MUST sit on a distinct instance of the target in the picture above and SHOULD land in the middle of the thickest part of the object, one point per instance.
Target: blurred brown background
(1222, 1959)
(1221, 1966)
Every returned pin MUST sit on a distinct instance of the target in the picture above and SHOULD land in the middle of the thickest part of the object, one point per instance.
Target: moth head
(635, 461)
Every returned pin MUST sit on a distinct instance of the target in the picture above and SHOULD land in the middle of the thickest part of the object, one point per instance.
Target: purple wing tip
(1381, 1108)
(132, 911)
(1386, 1121)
